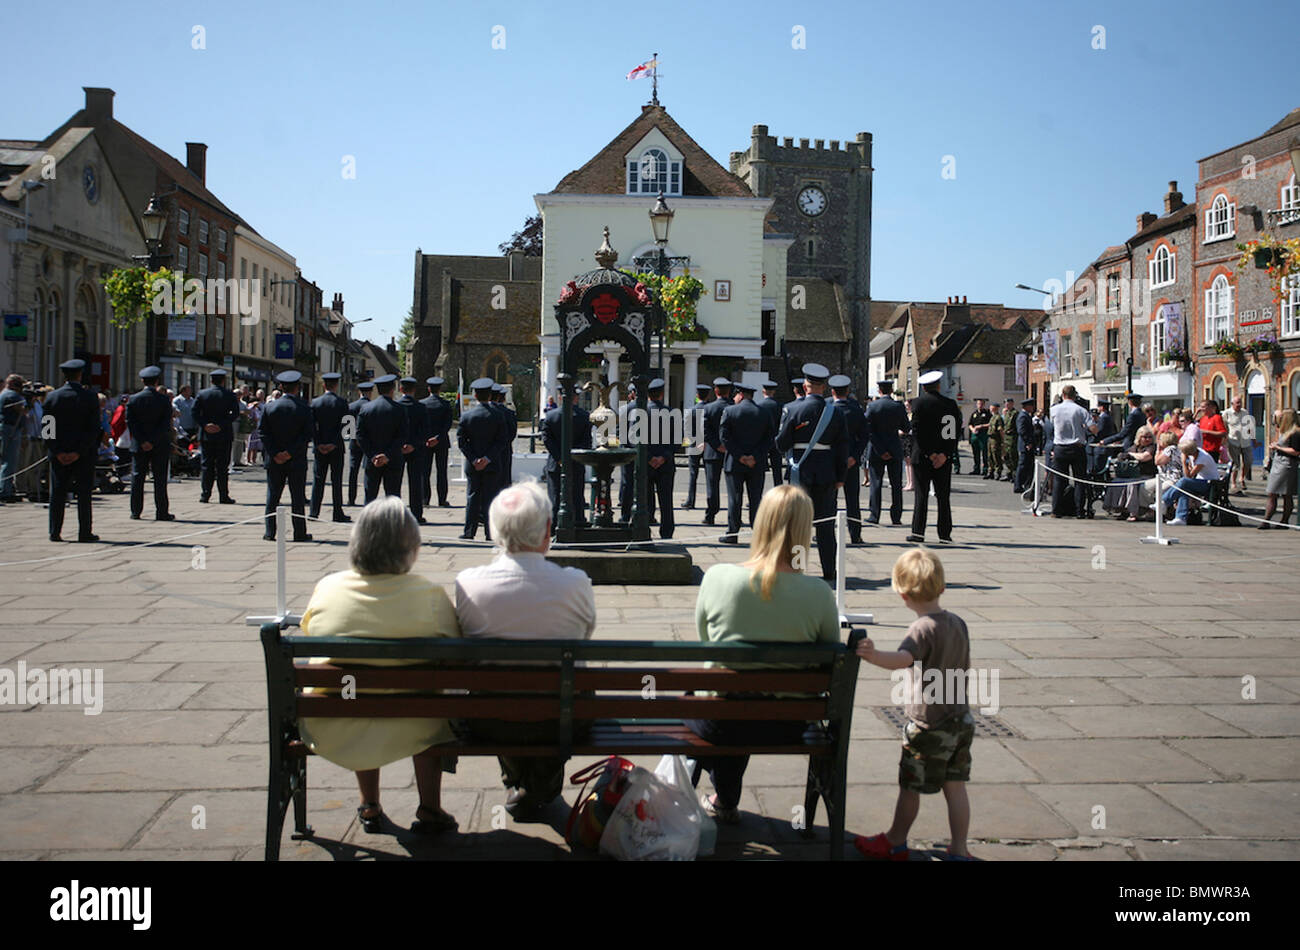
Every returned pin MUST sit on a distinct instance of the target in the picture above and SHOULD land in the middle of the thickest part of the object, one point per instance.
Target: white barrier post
(841, 559)
(1033, 508)
(282, 615)
(1158, 537)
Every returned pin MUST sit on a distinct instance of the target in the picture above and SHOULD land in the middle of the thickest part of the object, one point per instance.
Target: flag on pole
(643, 70)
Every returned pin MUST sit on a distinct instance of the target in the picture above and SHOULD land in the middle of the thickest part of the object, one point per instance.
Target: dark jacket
(76, 420)
(417, 421)
(439, 412)
(286, 426)
(328, 411)
(483, 433)
(746, 429)
(824, 466)
(382, 428)
(936, 426)
(1128, 434)
(855, 423)
(220, 407)
(885, 418)
(713, 428)
(149, 417)
(551, 434)
(1025, 431)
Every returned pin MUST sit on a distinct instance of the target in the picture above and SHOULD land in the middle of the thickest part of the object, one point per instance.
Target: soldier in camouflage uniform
(997, 430)
(1011, 457)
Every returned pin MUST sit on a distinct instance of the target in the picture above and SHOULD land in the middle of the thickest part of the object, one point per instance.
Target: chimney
(99, 105)
(337, 306)
(1146, 219)
(392, 347)
(196, 160)
(963, 300)
(1173, 198)
(516, 272)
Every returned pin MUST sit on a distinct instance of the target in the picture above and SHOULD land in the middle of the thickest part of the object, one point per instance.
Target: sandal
(721, 814)
(433, 826)
(373, 824)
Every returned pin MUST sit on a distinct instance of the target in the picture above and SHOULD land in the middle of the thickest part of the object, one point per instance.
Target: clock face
(89, 183)
(812, 201)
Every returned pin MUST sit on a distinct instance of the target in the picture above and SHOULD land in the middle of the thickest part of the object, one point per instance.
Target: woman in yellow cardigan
(380, 598)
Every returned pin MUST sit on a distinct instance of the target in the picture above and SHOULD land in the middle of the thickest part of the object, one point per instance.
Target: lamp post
(153, 220)
(661, 218)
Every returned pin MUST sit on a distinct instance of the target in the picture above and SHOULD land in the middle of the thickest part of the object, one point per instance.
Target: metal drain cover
(985, 726)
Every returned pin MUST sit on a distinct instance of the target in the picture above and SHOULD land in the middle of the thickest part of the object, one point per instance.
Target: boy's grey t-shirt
(941, 643)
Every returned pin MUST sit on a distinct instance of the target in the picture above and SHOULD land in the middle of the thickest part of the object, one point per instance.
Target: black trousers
(923, 476)
(436, 460)
(878, 467)
(712, 486)
(390, 477)
(1025, 470)
(727, 772)
(1069, 458)
(480, 492)
(417, 476)
(78, 477)
(853, 502)
(627, 491)
(823, 499)
(354, 466)
(661, 491)
(215, 467)
(292, 473)
(329, 463)
(577, 481)
(542, 778)
(774, 463)
(153, 462)
(695, 474)
(739, 480)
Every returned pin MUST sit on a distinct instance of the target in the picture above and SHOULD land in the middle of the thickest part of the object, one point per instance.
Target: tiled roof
(1288, 120)
(1183, 217)
(606, 173)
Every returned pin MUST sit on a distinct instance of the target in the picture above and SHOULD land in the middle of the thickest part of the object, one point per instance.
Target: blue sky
(1057, 145)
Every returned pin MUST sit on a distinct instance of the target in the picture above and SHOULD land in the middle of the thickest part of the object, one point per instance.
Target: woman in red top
(1213, 429)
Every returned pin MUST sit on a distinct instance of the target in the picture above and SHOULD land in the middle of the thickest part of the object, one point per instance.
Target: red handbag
(590, 812)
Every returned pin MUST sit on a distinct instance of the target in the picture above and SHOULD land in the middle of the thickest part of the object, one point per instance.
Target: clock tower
(823, 201)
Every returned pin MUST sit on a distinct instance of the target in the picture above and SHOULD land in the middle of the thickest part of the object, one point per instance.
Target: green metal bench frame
(566, 689)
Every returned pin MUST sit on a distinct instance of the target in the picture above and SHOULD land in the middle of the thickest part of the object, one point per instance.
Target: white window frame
(183, 222)
(219, 325)
(1218, 310)
(1112, 293)
(182, 257)
(668, 180)
(221, 239)
(1065, 354)
(1220, 220)
(1118, 346)
(1290, 206)
(1164, 267)
(1291, 308)
(1158, 341)
(203, 265)
(1085, 352)
(203, 231)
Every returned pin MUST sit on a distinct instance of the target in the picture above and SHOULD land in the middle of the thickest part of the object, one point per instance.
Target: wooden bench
(627, 717)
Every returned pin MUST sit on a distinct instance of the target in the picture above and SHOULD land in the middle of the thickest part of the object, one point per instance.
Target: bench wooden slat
(482, 679)
(533, 710)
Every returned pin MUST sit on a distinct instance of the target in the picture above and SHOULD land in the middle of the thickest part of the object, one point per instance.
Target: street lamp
(154, 221)
(661, 218)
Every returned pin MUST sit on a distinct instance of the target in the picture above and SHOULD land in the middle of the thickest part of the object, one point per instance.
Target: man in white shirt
(1071, 424)
(1199, 471)
(523, 596)
(1241, 443)
(184, 406)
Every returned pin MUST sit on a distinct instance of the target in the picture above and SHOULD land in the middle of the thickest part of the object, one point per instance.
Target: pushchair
(187, 459)
(112, 471)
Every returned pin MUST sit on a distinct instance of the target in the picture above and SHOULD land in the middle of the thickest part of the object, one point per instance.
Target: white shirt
(1210, 470)
(1070, 422)
(1193, 434)
(523, 596)
(1241, 427)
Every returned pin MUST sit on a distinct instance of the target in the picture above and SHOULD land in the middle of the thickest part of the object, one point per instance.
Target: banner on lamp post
(1049, 352)
(1022, 365)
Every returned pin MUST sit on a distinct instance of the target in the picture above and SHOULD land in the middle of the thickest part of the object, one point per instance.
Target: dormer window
(652, 173)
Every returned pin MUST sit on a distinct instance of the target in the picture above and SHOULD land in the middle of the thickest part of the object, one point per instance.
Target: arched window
(84, 312)
(497, 367)
(1219, 390)
(1162, 267)
(653, 172)
(1220, 219)
(1290, 201)
(812, 249)
(1218, 310)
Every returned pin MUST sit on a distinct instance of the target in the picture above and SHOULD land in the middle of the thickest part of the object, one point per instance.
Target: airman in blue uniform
(70, 428)
(507, 470)
(286, 429)
(714, 450)
(215, 411)
(438, 443)
(551, 436)
(748, 434)
(703, 396)
(382, 431)
(885, 418)
(149, 420)
(856, 425)
(482, 436)
(821, 464)
(936, 427)
(417, 436)
(355, 455)
(769, 402)
(328, 410)
(661, 460)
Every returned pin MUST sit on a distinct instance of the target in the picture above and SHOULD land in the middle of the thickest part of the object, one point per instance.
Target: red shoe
(879, 848)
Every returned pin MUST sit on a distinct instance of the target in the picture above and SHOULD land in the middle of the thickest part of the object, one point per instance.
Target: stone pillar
(690, 379)
(550, 370)
(611, 354)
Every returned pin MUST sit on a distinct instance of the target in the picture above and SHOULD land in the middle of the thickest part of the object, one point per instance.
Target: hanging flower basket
(1231, 348)
(1280, 258)
(1263, 258)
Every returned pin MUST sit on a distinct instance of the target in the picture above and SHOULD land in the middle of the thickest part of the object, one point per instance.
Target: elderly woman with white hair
(380, 598)
(522, 596)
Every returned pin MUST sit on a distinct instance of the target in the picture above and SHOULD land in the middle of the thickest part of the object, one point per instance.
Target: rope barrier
(143, 544)
(36, 464)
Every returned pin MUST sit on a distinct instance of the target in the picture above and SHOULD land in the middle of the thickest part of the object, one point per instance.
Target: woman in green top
(765, 599)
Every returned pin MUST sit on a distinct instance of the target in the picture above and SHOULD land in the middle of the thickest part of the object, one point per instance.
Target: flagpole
(654, 80)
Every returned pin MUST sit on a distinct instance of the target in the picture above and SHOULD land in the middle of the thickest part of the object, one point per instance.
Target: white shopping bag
(653, 821)
(676, 770)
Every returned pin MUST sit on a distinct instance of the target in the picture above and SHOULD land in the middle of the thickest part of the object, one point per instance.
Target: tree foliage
(528, 240)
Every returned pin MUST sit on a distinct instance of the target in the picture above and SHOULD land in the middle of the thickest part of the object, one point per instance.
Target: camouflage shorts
(936, 755)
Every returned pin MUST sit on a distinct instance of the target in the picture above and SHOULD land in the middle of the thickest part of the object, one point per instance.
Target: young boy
(937, 739)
